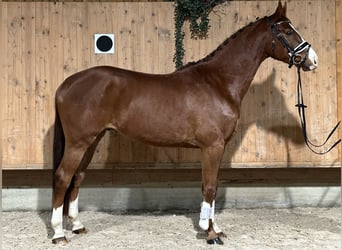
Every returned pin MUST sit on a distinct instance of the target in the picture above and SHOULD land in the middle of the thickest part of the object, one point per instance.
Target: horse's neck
(238, 61)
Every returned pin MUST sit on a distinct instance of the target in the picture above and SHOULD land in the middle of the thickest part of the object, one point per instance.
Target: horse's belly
(160, 133)
(161, 139)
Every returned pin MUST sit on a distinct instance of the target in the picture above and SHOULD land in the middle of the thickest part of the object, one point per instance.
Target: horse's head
(287, 44)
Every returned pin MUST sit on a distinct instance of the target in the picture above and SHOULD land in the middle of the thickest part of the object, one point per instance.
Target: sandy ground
(299, 228)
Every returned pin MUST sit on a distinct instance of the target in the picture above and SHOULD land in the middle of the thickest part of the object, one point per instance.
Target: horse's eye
(289, 32)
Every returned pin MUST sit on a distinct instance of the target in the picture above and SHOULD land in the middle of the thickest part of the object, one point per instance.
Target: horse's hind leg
(211, 161)
(62, 180)
(77, 226)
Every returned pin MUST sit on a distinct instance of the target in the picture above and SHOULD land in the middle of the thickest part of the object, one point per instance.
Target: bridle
(294, 53)
(296, 59)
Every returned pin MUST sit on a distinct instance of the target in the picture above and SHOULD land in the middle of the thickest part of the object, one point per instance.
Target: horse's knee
(209, 193)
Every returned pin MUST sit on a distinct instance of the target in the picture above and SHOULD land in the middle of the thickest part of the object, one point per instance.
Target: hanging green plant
(197, 12)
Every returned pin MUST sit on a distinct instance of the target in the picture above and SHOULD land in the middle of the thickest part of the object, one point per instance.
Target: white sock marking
(73, 214)
(208, 212)
(57, 222)
(205, 215)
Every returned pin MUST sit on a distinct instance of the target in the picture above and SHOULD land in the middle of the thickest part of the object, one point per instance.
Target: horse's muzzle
(311, 61)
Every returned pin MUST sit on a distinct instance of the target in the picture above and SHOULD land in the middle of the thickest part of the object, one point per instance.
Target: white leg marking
(73, 214)
(205, 215)
(57, 222)
(212, 217)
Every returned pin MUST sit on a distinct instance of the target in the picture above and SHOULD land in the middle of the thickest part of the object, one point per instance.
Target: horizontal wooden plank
(171, 177)
(187, 165)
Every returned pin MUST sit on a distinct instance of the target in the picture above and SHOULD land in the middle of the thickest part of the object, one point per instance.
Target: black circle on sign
(104, 43)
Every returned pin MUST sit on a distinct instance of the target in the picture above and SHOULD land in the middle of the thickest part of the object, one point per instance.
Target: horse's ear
(284, 8)
(281, 9)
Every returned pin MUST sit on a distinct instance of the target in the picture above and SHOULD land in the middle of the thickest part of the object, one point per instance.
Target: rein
(301, 112)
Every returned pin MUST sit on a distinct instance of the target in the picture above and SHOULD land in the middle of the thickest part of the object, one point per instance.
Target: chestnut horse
(196, 106)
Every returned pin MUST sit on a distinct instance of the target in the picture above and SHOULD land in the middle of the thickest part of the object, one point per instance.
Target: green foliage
(197, 12)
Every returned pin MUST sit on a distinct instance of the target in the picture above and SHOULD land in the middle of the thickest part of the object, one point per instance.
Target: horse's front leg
(211, 161)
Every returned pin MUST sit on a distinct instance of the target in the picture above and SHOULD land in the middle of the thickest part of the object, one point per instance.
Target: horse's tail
(58, 143)
(58, 152)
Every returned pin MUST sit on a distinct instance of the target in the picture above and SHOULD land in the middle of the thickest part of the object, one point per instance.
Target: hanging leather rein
(297, 60)
(301, 111)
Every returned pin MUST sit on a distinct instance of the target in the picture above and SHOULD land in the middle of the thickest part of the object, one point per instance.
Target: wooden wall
(44, 42)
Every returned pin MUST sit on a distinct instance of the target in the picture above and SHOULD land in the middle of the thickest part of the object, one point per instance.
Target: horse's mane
(221, 46)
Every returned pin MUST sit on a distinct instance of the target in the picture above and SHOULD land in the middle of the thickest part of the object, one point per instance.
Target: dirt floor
(299, 228)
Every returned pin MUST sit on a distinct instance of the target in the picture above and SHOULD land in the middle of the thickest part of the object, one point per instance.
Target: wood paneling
(45, 42)
(338, 27)
(185, 177)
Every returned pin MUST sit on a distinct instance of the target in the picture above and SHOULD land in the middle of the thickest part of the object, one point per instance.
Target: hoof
(215, 241)
(80, 231)
(60, 241)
